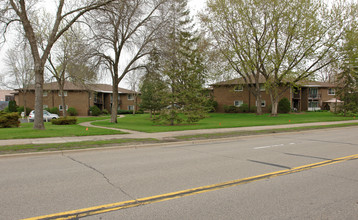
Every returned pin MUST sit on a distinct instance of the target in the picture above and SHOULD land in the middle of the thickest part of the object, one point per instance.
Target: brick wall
(226, 95)
(76, 99)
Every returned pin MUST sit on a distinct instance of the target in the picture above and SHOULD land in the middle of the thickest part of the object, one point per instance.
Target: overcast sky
(194, 6)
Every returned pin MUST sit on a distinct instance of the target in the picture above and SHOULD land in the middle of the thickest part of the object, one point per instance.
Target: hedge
(64, 121)
(9, 120)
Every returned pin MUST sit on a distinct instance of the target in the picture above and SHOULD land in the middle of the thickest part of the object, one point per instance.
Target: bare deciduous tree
(26, 14)
(20, 69)
(123, 32)
(70, 60)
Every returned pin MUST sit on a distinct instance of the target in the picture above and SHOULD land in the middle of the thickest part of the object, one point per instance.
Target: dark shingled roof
(69, 86)
(263, 80)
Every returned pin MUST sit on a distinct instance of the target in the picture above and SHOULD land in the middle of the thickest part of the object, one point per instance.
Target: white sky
(194, 5)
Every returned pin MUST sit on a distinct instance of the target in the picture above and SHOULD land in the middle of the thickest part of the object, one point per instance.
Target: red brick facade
(79, 97)
(309, 96)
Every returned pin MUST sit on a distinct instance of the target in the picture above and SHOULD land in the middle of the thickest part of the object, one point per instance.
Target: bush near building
(72, 111)
(284, 106)
(9, 120)
(95, 111)
(64, 121)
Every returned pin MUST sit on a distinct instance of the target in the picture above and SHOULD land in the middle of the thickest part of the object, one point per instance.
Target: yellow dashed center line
(174, 195)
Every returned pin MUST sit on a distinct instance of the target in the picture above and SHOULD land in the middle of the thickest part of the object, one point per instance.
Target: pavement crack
(101, 173)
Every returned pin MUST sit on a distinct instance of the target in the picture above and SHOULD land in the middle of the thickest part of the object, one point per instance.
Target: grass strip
(258, 132)
(143, 122)
(26, 148)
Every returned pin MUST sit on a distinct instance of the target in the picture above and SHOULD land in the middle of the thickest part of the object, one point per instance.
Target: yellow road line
(173, 195)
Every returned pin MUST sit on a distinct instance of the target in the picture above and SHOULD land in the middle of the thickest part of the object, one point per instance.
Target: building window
(130, 97)
(263, 103)
(313, 104)
(262, 87)
(64, 93)
(61, 108)
(238, 103)
(44, 94)
(331, 91)
(131, 107)
(239, 88)
(313, 93)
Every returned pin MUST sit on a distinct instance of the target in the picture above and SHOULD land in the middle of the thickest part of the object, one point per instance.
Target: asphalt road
(46, 184)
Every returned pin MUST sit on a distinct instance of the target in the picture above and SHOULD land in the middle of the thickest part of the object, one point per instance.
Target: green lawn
(218, 120)
(26, 130)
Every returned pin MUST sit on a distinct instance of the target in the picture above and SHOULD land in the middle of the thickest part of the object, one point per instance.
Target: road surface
(306, 175)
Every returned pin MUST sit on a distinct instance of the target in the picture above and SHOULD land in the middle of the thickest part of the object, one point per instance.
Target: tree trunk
(258, 101)
(39, 80)
(63, 103)
(150, 113)
(114, 100)
(134, 103)
(24, 99)
(274, 101)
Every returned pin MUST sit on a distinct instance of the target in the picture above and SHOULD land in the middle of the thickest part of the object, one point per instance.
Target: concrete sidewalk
(159, 135)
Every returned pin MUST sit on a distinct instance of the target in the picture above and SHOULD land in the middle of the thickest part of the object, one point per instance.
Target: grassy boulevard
(26, 130)
(142, 123)
(217, 120)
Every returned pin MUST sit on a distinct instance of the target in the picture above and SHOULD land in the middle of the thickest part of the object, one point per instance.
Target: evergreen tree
(153, 89)
(182, 67)
(348, 77)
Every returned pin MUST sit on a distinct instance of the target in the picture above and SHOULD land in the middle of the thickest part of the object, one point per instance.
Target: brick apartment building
(79, 97)
(309, 96)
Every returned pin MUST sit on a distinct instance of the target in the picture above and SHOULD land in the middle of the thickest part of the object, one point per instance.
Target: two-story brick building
(80, 97)
(307, 96)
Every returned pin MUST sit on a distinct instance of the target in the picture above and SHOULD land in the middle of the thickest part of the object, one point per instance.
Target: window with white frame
(239, 88)
(44, 93)
(331, 91)
(64, 93)
(60, 107)
(263, 103)
(130, 97)
(130, 107)
(238, 103)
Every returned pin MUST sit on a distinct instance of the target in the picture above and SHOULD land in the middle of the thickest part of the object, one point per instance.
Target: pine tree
(153, 88)
(183, 68)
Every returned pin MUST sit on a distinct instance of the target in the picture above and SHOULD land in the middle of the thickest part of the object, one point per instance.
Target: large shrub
(53, 110)
(284, 106)
(12, 106)
(72, 111)
(105, 112)
(211, 105)
(9, 120)
(64, 121)
(95, 111)
(244, 108)
(231, 109)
